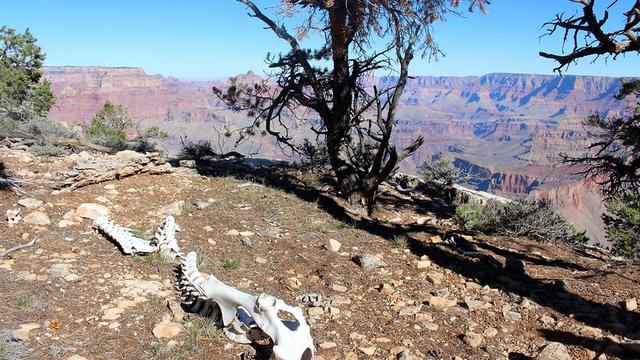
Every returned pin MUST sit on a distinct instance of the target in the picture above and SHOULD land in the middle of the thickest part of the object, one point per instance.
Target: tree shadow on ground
(509, 254)
(457, 255)
(519, 356)
(600, 346)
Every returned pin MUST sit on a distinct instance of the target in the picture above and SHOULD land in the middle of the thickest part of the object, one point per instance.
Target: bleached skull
(247, 318)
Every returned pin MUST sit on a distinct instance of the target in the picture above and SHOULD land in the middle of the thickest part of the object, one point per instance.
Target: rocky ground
(432, 293)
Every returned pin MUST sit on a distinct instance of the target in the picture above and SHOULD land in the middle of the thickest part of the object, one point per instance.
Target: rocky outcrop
(88, 169)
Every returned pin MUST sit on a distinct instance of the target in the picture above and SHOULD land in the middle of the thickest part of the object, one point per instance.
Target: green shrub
(532, 219)
(48, 150)
(41, 128)
(442, 169)
(109, 126)
(46, 128)
(469, 216)
(231, 264)
(314, 156)
(401, 241)
(145, 142)
(196, 151)
(623, 224)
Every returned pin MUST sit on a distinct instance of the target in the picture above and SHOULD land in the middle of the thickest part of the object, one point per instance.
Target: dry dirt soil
(441, 295)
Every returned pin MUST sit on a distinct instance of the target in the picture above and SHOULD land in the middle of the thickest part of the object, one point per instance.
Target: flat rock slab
(167, 330)
(37, 218)
(30, 203)
(91, 211)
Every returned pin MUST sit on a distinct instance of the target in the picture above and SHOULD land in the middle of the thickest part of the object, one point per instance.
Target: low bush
(109, 128)
(532, 219)
(622, 222)
(41, 128)
(314, 157)
(46, 128)
(444, 174)
(48, 150)
(146, 141)
(442, 169)
(196, 151)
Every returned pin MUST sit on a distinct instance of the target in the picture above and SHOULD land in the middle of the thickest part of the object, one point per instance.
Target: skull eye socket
(288, 319)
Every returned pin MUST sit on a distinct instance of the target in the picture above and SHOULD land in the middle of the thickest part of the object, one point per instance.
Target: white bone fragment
(165, 238)
(247, 318)
(13, 217)
(127, 242)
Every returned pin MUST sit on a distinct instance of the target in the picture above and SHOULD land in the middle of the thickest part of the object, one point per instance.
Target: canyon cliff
(505, 128)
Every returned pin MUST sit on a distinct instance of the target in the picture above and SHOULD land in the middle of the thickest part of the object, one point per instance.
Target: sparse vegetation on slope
(445, 174)
(196, 150)
(110, 125)
(423, 281)
(623, 224)
(533, 219)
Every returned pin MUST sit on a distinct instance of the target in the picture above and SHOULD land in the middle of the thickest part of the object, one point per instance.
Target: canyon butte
(505, 129)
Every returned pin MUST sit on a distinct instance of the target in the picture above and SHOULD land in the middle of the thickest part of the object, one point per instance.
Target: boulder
(368, 261)
(23, 332)
(332, 245)
(631, 304)
(554, 351)
(30, 203)
(472, 339)
(167, 330)
(37, 218)
(190, 164)
(174, 209)
(441, 302)
(91, 211)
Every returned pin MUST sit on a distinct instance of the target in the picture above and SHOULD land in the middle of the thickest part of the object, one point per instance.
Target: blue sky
(216, 38)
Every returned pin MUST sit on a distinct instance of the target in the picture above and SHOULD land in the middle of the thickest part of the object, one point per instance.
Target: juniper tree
(22, 94)
(359, 39)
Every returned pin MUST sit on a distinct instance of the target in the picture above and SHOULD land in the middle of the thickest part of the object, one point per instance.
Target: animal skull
(249, 318)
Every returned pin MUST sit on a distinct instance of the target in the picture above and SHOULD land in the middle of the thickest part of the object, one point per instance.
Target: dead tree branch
(588, 35)
(18, 247)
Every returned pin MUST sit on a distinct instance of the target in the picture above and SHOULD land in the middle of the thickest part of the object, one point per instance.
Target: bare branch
(589, 37)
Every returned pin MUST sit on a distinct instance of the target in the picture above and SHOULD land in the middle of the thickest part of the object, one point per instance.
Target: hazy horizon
(225, 77)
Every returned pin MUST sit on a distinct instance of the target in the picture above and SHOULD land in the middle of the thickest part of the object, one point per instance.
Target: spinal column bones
(246, 318)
